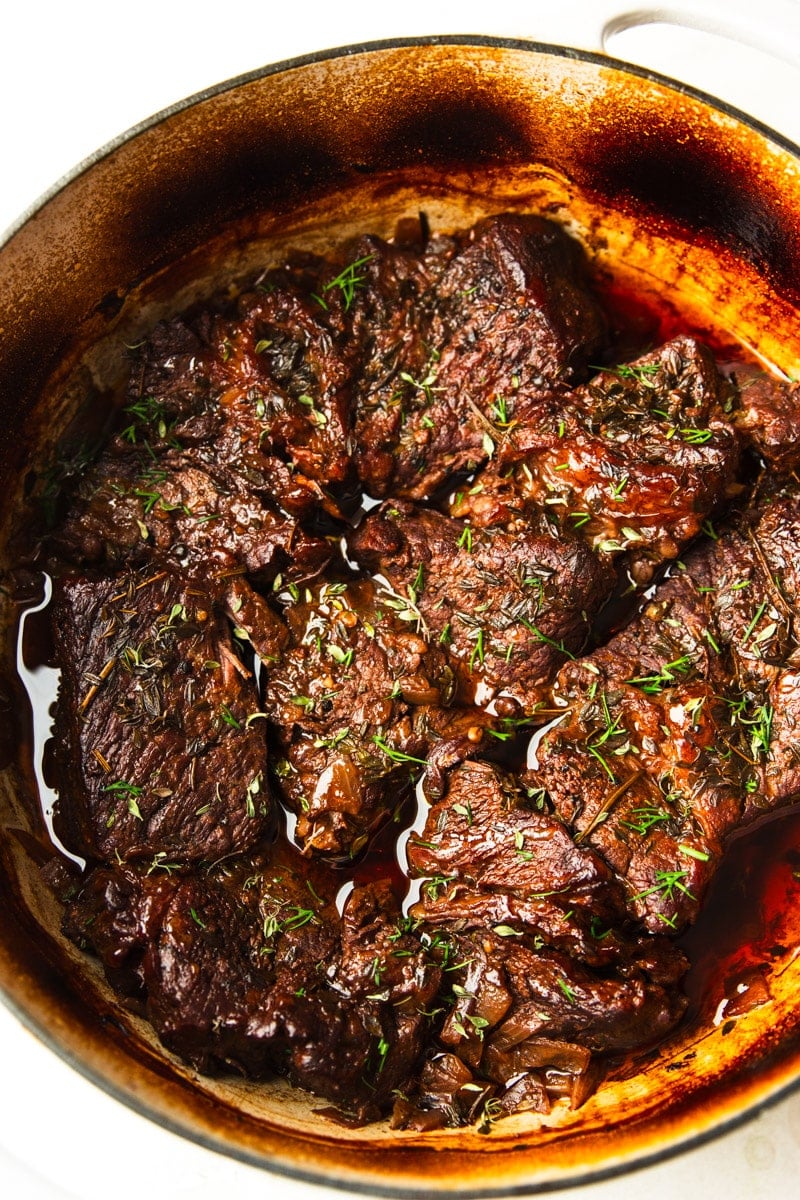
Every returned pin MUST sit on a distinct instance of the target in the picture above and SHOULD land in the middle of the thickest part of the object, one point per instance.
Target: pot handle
(770, 26)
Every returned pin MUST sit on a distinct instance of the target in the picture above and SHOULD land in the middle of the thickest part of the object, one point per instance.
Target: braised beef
(506, 610)
(278, 983)
(340, 705)
(506, 311)
(388, 798)
(633, 462)
(767, 413)
(157, 757)
(358, 704)
(203, 519)
(683, 725)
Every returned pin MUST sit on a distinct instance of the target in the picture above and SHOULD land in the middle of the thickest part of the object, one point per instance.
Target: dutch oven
(684, 203)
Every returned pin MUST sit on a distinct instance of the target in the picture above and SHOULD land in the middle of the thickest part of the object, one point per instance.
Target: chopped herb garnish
(124, 788)
(347, 281)
(655, 683)
(228, 717)
(666, 884)
(396, 755)
(465, 541)
(478, 653)
(335, 740)
(645, 818)
(692, 852)
(759, 614)
(697, 437)
(642, 372)
(567, 990)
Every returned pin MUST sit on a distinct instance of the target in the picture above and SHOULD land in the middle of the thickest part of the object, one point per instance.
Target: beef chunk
(682, 726)
(157, 758)
(493, 856)
(634, 461)
(205, 520)
(278, 984)
(509, 311)
(554, 998)
(356, 706)
(193, 473)
(508, 610)
(484, 833)
(767, 413)
(279, 363)
(641, 780)
(519, 1011)
(169, 391)
(545, 966)
(390, 314)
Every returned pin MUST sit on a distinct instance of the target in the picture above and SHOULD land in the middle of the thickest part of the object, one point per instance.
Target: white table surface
(72, 77)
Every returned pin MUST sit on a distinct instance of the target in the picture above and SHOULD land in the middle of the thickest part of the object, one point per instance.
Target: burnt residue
(245, 170)
(701, 184)
(112, 302)
(257, 169)
(462, 131)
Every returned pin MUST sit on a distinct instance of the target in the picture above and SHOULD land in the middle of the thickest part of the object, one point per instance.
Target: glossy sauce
(749, 924)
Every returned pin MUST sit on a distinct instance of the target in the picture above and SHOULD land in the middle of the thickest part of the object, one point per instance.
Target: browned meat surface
(496, 858)
(507, 310)
(633, 462)
(767, 413)
(203, 519)
(522, 1021)
(683, 726)
(351, 546)
(279, 363)
(278, 982)
(157, 757)
(506, 610)
(485, 834)
(355, 706)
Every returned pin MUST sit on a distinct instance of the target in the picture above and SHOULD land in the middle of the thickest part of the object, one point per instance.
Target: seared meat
(278, 983)
(286, 375)
(507, 311)
(522, 1021)
(682, 727)
(544, 965)
(157, 758)
(357, 703)
(193, 473)
(507, 610)
(633, 462)
(203, 519)
(492, 855)
(767, 413)
(484, 834)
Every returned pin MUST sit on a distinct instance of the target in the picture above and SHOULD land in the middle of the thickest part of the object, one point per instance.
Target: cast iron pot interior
(676, 200)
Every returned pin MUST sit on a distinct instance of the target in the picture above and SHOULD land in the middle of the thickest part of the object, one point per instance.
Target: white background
(72, 77)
